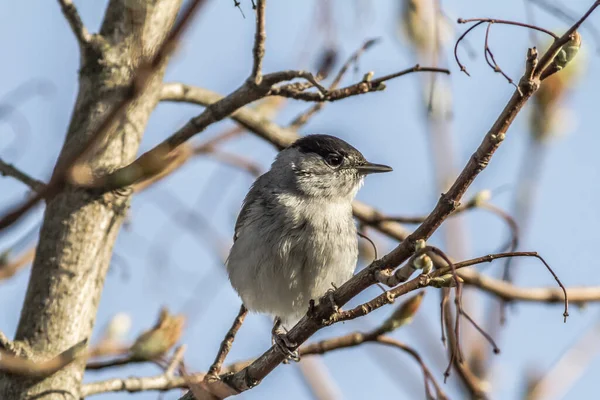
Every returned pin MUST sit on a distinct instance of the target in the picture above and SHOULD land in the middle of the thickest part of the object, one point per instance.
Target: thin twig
(9, 268)
(365, 86)
(491, 60)
(260, 36)
(237, 4)
(489, 21)
(147, 164)
(25, 367)
(227, 342)
(10, 170)
(358, 338)
(116, 362)
(506, 22)
(160, 382)
(423, 281)
(72, 16)
(479, 329)
(303, 118)
(456, 348)
(510, 221)
(443, 302)
(175, 361)
(465, 33)
(368, 239)
(491, 257)
(155, 159)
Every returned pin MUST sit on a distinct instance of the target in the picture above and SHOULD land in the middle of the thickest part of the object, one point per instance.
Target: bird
(295, 238)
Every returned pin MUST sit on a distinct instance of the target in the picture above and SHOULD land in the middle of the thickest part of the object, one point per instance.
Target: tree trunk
(79, 230)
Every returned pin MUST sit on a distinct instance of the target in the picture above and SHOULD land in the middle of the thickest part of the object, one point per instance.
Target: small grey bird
(295, 237)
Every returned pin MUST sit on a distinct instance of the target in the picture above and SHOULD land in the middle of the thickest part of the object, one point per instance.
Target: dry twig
(227, 342)
(9, 170)
(9, 268)
(303, 118)
(23, 366)
(72, 16)
(260, 37)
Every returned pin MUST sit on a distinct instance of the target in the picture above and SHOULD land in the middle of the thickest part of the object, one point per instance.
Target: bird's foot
(335, 309)
(286, 347)
(312, 308)
(331, 298)
(283, 343)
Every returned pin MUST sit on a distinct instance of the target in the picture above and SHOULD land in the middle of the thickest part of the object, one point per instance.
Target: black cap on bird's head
(338, 153)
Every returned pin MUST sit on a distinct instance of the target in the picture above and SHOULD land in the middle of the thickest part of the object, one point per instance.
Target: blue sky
(162, 262)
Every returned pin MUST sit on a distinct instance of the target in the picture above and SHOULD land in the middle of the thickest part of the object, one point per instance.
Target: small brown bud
(161, 338)
(403, 314)
(445, 281)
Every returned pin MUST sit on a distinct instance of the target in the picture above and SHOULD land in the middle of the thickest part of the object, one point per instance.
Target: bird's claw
(332, 303)
(286, 346)
(283, 343)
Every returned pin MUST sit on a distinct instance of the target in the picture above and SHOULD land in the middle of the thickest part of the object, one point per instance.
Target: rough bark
(79, 230)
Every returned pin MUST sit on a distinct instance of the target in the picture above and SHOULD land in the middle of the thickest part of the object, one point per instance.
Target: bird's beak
(371, 168)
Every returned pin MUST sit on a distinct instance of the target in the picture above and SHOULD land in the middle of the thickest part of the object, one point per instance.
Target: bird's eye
(335, 160)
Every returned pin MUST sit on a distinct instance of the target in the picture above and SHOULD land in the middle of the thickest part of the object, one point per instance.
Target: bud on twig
(118, 327)
(549, 116)
(565, 55)
(368, 76)
(422, 262)
(482, 197)
(444, 281)
(403, 315)
(160, 339)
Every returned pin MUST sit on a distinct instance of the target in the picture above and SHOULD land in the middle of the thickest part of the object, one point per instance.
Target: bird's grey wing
(252, 198)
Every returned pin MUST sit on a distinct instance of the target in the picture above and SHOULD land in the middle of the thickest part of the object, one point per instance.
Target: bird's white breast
(293, 257)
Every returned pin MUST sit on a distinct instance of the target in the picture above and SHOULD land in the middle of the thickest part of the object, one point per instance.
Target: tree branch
(155, 159)
(225, 347)
(260, 36)
(509, 292)
(365, 86)
(147, 164)
(303, 118)
(24, 367)
(132, 385)
(357, 338)
(74, 20)
(9, 170)
(10, 267)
